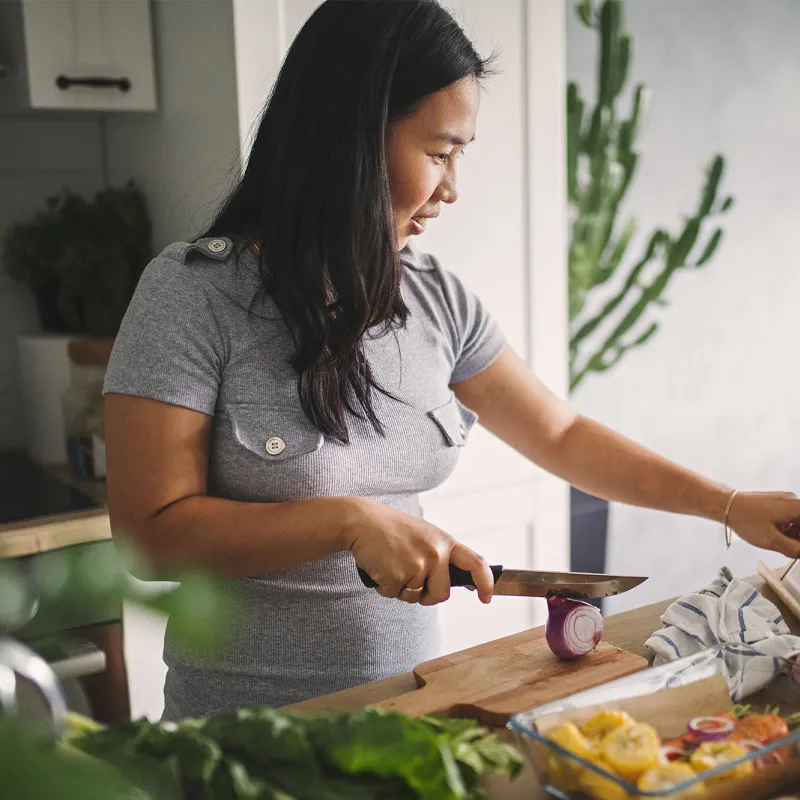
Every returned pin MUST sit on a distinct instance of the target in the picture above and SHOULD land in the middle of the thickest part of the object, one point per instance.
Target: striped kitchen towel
(754, 641)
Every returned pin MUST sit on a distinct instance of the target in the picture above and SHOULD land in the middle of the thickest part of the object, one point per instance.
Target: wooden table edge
(42, 534)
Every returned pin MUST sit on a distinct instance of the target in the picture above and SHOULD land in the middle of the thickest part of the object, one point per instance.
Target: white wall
(185, 155)
(716, 388)
(39, 155)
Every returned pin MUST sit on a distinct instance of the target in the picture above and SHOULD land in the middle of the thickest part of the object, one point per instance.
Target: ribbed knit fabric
(193, 338)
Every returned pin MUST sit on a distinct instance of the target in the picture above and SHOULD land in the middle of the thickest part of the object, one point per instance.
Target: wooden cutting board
(495, 680)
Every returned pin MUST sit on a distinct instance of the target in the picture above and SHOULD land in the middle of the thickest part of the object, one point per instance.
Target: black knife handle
(458, 577)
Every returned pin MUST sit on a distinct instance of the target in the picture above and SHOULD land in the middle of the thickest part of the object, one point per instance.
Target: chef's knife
(528, 583)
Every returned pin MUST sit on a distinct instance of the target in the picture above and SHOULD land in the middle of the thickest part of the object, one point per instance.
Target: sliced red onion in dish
(669, 753)
(711, 729)
(770, 759)
(573, 627)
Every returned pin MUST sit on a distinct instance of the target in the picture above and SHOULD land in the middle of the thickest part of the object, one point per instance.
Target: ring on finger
(414, 591)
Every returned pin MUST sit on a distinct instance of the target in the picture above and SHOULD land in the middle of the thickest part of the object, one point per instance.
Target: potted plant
(625, 288)
(81, 259)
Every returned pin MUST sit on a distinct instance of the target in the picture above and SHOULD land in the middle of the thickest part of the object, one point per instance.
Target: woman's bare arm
(517, 407)
(157, 462)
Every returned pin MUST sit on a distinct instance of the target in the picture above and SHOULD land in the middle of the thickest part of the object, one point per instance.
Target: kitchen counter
(627, 630)
(46, 508)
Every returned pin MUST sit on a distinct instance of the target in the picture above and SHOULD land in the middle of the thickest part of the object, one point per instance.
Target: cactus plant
(601, 162)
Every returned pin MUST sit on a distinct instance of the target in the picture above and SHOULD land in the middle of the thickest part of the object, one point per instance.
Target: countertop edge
(39, 535)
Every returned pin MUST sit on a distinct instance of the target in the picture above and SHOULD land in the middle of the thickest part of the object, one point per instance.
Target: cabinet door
(110, 41)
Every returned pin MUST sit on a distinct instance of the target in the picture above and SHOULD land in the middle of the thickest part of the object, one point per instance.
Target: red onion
(773, 758)
(669, 753)
(750, 744)
(573, 627)
(711, 729)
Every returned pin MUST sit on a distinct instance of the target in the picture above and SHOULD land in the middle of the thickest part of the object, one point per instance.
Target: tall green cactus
(601, 162)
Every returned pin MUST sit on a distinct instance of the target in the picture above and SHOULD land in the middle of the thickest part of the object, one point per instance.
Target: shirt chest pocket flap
(454, 420)
(274, 433)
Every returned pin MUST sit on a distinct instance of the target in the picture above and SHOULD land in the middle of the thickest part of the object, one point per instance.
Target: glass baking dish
(558, 769)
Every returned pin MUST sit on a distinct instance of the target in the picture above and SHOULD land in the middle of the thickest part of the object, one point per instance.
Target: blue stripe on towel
(669, 642)
(690, 607)
(748, 653)
(778, 619)
(742, 607)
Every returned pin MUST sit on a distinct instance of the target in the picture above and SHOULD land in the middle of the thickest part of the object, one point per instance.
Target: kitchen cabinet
(94, 55)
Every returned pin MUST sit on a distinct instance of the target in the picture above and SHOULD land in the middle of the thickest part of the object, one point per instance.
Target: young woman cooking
(284, 386)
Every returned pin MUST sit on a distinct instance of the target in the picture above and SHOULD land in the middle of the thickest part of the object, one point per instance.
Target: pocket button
(217, 245)
(275, 445)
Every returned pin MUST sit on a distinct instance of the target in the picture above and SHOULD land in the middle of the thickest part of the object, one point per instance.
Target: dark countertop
(29, 491)
(42, 508)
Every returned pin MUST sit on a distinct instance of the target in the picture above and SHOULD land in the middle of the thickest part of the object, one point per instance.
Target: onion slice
(669, 752)
(711, 729)
(773, 758)
(750, 744)
(573, 627)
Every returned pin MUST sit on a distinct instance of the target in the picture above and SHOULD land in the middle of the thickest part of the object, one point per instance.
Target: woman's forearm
(599, 461)
(232, 539)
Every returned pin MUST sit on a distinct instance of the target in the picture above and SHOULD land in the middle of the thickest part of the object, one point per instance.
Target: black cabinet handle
(123, 84)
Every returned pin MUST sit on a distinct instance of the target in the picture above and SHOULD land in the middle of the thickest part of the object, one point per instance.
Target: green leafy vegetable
(262, 753)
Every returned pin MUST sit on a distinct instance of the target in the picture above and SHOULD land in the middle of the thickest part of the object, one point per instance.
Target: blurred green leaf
(31, 771)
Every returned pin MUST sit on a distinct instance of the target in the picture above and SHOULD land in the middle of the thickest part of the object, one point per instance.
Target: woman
(283, 388)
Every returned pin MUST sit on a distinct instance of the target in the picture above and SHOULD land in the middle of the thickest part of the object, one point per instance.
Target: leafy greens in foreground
(265, 754)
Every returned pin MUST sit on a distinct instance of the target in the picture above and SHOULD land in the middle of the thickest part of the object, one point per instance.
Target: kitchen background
(713, 388)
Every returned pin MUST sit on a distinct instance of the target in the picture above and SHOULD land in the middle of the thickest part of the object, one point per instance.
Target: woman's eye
(443, 158)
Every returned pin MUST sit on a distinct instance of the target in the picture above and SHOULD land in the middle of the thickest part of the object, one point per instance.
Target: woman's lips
(418, 225)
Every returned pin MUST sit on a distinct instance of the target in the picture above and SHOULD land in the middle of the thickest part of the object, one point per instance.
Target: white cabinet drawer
(81, 54)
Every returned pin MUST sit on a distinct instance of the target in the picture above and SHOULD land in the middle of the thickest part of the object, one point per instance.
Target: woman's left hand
(770, 520)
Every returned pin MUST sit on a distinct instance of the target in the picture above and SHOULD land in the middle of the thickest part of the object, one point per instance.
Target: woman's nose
(447, 191)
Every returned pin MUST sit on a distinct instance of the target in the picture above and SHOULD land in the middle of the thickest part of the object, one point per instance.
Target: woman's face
(422, 152)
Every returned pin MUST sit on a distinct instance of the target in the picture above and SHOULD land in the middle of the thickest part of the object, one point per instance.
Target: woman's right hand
(403, 553)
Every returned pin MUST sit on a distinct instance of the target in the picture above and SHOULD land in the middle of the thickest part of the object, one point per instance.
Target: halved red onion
(573, 627)
(711, 729)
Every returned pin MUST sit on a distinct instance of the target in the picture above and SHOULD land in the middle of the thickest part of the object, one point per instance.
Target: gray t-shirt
(192, 337)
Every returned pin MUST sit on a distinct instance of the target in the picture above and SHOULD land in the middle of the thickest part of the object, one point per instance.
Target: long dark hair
(315, 191)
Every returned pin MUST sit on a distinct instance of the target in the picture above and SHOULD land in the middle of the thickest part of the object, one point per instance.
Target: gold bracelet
(725, 518)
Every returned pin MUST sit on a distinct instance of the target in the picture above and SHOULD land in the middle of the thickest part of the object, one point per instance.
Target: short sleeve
(478, 338)
(169, 346)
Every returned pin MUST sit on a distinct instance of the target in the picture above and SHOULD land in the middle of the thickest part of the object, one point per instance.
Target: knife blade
(530, 583)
